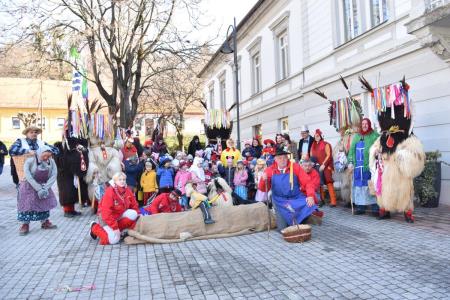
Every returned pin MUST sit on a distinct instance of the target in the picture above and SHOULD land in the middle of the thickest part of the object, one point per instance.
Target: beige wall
(51, 132)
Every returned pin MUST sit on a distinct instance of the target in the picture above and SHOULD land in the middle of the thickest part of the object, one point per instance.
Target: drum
(297, 233)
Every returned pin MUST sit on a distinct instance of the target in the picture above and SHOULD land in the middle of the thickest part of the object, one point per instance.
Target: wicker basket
(19, 161)
(297, 233)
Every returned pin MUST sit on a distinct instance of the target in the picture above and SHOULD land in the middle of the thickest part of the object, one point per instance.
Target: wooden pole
(269, 224)
(79, 193)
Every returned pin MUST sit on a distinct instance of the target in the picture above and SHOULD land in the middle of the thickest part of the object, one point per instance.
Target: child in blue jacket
(165, 175)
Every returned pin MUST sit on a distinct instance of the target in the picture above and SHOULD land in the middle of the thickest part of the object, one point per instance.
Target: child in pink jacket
(181, 179)
(240, 180)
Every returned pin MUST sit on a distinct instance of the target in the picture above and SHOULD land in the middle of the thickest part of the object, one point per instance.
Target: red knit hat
(319, 132)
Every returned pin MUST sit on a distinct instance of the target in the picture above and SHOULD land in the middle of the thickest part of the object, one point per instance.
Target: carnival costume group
(127, 185)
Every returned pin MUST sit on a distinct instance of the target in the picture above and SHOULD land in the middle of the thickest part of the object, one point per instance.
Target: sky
(221, 13)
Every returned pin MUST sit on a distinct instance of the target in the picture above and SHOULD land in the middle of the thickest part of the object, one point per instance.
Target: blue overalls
(289, 203)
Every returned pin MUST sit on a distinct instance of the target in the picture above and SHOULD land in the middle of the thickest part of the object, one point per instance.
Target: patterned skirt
(241, 191)
(28, 216)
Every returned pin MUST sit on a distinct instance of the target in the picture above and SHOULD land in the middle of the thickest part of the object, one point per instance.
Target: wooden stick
(269, 224)
(351, 195)
(79, 192)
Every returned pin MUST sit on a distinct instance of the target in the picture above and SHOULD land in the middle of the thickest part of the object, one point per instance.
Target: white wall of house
(318, 53)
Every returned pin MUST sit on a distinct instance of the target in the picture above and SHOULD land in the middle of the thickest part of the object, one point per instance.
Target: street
(349, 257)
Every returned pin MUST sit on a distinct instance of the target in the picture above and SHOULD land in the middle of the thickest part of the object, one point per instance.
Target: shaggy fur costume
(400, 168)
(102, 166)
(222, 199)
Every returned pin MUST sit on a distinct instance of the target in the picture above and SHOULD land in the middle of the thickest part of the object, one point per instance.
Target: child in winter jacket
(132, 169)
(181, 179)
(240, 180)
(165, 176)
(258, 174)
(148, 181)
(208, 174)
(228, 173)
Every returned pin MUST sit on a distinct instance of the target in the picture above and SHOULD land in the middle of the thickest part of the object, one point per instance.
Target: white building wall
(317, 55)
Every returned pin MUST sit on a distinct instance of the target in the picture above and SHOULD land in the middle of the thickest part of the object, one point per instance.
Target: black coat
(310, 141)
(193, 146)
(69, 165)
(3, 152)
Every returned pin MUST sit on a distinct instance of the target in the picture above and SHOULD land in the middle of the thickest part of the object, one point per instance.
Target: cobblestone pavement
(349, 257)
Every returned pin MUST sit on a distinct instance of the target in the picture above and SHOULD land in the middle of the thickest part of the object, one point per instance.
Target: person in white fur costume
(397, 156)
(104, 162)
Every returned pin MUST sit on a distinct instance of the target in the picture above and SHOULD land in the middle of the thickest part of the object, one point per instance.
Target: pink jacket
(240, 178)
(201, 185)
(181, 179)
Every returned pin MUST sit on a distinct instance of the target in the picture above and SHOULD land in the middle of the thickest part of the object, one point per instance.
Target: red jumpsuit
(323, 152)
(118, 210)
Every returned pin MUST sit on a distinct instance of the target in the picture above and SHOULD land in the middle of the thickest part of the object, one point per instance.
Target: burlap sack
(177, 227)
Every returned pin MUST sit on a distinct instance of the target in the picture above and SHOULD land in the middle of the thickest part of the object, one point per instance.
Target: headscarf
(41, 150)
(198, 171)
(368, 131)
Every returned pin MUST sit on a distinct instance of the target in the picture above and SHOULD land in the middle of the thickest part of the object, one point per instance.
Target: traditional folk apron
(290, 204)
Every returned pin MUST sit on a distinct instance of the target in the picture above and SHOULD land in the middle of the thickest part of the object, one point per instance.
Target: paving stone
(349, 257)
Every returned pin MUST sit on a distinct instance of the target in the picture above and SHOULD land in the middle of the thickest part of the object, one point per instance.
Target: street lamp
(228, 49)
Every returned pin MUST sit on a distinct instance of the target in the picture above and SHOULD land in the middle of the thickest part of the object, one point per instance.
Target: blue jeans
(362, 208)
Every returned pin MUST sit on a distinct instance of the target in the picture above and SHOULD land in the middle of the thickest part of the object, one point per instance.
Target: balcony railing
(433, 4)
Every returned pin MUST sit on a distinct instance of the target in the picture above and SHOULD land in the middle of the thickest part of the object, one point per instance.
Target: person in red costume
(117, 211)
(322, 151)
(164, 203)
(293, 190)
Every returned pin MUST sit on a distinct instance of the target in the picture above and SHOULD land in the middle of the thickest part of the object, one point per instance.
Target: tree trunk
(180, 139)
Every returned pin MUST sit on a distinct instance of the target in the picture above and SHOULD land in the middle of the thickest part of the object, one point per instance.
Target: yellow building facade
(43, 97)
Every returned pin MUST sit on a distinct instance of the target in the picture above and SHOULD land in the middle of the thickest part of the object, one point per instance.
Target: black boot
(206, 214)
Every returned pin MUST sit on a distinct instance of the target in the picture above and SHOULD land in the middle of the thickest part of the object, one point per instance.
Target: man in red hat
(322, 151)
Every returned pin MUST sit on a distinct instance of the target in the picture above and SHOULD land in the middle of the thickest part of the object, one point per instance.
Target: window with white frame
(211, 96)
(256, 73)
(254, 50)
(280, 34)
(283, 55)
(15, 123)
(40, 124)
(223, 92)
(60, 122)
(359, 16)
(379, 11)
(284, 125)
(351, 19)
(239, 78)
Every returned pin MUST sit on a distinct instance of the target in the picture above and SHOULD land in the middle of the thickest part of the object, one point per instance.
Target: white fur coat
(101, 169)
(399, 170)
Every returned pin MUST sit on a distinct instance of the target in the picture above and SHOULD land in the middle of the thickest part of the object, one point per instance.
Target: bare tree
(27, 119)
(172, 94)
(128, 41)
